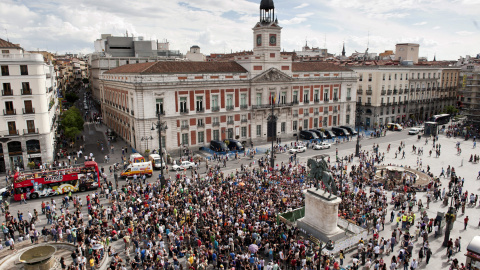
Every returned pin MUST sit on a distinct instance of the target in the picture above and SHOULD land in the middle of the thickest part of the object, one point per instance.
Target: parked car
(340, 131)
(234, 145)
(329, 134)
(218, 146)
(184, 165)
(322, 145)
(415, 130)
(307, 135)
(319, 133)
(351, 130)
(298, 149)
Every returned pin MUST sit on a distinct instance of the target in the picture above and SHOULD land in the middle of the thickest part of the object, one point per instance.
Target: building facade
(469, 93)
(401, 93)
(204, 101)
(29, 100)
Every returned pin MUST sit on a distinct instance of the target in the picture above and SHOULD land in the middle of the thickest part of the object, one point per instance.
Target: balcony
(359, 92)
(394, 103)
(349, 98)
(389, 104)
(184, 111)
(200, 110)
(349, 109)
(200, 124)
(306, 101)
(215, 124)
(12, 132)
(395, 92)
(295, 115)
(230, 107)
(335, 99)
(10, 112)
(306, 114)
(400, 103)
(161, 113)
(406, 90)
(405, 102)
(316, 100)
(215, 109)
(316, 113)
(369, 92)
(325, 111)
(418, 89)
(389, 92)
(26, 91)
(383, 93)
(244, 120)
(335, 110)
(28, 110)
(295, 102)
(30, 131)
(132, 112)
(326, 100)
(383, 104)
(368, 104)
(400, 91)
(244, 106)
(7, 92)
(184, 127)
(230, 122)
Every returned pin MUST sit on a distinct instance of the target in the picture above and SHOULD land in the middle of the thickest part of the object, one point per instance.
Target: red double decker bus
(53, 182)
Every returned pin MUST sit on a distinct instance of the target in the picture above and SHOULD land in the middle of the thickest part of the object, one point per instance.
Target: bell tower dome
(266, 33)
(267, 11)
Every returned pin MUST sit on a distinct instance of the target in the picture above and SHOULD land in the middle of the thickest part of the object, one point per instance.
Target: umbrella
(241, 184)
(97, 246)
(253, 248)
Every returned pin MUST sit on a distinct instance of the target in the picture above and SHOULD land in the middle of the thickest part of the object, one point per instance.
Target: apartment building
(401, 93)
(469, 93)
(29, 101)
(204, 101)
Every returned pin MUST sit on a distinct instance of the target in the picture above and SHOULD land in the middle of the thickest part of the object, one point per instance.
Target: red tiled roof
(179, 67)
(6, 44)
(316, 66)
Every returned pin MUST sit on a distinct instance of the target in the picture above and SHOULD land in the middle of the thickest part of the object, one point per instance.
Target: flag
(279, 98)
(274, 97)
(270, 98)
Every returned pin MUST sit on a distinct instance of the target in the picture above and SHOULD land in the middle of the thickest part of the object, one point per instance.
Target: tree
(450, 110)
(72, 122)
(85, 80)
(71, 97)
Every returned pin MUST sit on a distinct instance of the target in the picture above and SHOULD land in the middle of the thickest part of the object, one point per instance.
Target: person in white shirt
(414, 264)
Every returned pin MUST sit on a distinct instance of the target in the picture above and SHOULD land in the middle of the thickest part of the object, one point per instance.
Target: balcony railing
(335, 110)
(244, 120)
(215, 124)
(185, 111)
(200, 124)
(7, 93)
(200, 110)
(359, 91)
(316, 113)
(243, 106)
(26, 91)
(215, 109)
(406, 91)
(306, 114)
(316, 100)
(12, 132)
(389, 103)
(348, 109)
(306, 101)
(335, 99)
(269, 106)
(325, 111)
(230, 122)
(28, 110)
(400, 103)
(30, 131)
(400, 91)
(326, 100)
(230, 107)
(394, 103)
(295, 115)
(184, 127)
(389, 92)
(368, 104)
(369, 92)
(395, 92)
(349, 98)
(10, 112)
(383, 92)
(383, 104)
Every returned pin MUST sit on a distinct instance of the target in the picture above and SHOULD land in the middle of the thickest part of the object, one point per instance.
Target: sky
(445, 28)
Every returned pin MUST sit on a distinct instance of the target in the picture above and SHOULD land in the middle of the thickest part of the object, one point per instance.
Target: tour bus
(440, 119)
(53, 182)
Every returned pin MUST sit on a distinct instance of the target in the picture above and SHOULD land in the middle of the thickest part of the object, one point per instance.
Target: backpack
(7, 243)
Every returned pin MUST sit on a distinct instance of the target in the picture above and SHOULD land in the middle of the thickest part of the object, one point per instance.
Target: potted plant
(31, 165)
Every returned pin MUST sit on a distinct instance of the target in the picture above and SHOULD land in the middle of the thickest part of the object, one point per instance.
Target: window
(229, 100)
(334, 120)
(7, 89)
(243, 118)
(369, 100)
(216, 120)
(295, 125)
(360, 99)
(26, 88)
(389, 77)
(199, 103)
(214, 102)
(185, 139)
(200, 122)
(360, 78)
(283, 98)
(5, 71)
(5, 51)
(316, 95)
(28, 106)
(31, 126)
(243, 132)
(9, 108)
(259, 130)
(401, 76)
(382, 101)
(384, 77)
(347, 119)
(201, 137)
(315, 122)
(335, 93)
(306, 98)
(23, 70)
(325, 121)
(230, 119)
(12, 129)
(183, 105)
(243, 100)
(325, 95)
(305, 124)
(295, 96)
(259, 99)
(159, 105)
(406, 76)
(216, 135)
(349, 93)
(283, 127)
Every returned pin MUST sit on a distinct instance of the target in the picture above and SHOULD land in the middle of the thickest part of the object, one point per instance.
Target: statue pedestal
(321, 215)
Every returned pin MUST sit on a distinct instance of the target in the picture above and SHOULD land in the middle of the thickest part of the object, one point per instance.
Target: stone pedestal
(321, 215)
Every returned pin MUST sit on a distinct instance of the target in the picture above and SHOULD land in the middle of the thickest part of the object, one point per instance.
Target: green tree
(85, 80)
(71, 97)
(450, 110)
(72, 122)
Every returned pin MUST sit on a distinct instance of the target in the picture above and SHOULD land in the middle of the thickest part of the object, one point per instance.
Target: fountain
(38, 258)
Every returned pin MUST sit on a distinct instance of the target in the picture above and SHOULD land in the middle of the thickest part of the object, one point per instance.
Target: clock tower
(266, 33)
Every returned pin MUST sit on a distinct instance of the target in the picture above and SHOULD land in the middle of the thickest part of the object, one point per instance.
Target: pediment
(272, 75)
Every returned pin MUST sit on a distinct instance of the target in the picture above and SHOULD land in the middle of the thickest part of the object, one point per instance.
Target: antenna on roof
(368, 39)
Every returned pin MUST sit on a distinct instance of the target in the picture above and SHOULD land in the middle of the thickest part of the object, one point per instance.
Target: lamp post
(272, 122)
(357, 147)
(160, 126)
(147, 138)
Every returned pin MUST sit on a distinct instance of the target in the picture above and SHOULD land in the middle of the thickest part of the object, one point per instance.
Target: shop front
(2, 160)
(16, 155)
(34, 154)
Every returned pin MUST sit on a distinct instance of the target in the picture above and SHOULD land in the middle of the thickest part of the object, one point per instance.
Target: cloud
(464, 33)
(436, 27)
(302, 6)
(420, 23)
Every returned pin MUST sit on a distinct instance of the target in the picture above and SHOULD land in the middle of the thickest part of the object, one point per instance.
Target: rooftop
(317, 66)
(7, 44)
(179, 67)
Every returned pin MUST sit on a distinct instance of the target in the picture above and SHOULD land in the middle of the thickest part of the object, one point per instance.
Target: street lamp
(147, 138)
(357, 147)
(160, 126)
(272, 124)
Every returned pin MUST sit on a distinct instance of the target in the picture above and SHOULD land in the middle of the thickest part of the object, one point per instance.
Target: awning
(474, 245)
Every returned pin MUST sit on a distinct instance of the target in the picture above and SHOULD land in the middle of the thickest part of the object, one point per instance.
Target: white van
(155, 159)
(138, 169)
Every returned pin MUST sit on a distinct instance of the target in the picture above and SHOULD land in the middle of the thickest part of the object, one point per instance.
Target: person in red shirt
(465, 222)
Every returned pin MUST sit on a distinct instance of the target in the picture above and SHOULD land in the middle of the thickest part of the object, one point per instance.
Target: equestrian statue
(319, 171)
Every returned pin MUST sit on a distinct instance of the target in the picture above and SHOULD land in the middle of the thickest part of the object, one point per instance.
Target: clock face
(259, 40)
(273, 40)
